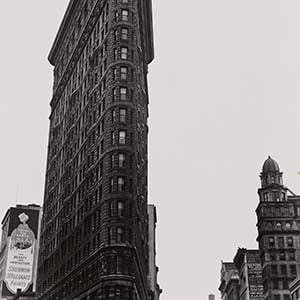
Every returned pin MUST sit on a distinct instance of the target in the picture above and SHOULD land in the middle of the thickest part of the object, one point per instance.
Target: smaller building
(250, 274)
(295, 289)
(242, 278)
(229, 286)
(154, 289)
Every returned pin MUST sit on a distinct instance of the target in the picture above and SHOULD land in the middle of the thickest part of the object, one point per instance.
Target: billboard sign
(255, 277)
(21, 251)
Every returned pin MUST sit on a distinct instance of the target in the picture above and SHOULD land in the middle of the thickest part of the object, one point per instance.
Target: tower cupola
(270, 166)
(272, 188)
(270, 174)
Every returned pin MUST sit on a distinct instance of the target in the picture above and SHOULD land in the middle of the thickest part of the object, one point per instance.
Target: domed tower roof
(270, 166)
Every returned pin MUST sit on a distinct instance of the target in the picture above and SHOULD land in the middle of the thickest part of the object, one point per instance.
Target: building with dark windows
(94, 239)
(278, 214)
(242, 278)
(249, 268)
(269, 273)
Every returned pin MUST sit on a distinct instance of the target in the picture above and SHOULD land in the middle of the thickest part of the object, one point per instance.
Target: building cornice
(62, 30)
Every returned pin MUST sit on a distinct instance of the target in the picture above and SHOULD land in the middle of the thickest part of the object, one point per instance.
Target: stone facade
(94, 240)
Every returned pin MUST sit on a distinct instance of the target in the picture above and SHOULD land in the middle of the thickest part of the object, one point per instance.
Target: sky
(224, 94)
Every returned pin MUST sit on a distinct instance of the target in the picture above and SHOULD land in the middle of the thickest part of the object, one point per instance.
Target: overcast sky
(225, 90)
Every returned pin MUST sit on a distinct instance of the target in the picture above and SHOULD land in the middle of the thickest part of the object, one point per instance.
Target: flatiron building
(94, 235)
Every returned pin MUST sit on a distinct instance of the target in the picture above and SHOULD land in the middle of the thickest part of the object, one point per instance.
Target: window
(111, 208)
(282, 255)
(290, 241)
(287, 226)
(115, 54)
(123, 93)
(125, 15)
(124, 72)
(116, 35)
(120, 209)
(266, 196)
(293, 269)
(121, 184)
(291, 255)
(122, 137)
(285, 284)
(124, 53)
(120, 235)
(273, 256)
(123, 113)
(271, 242)
(125, 1)
(274, 269)
(276, 297)
(113, 115)
(124, 34)
(114, 74)
(114, 94)
(280, 242)
(112, 160)
(275, 284)
(111, 184)
(116, 16)
(278, 225)
(283, 270)
(112, 137)
(111, 235)
(121, 160)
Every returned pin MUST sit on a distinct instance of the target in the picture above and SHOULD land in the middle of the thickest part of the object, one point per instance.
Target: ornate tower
(278, 232)
(94, 239)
